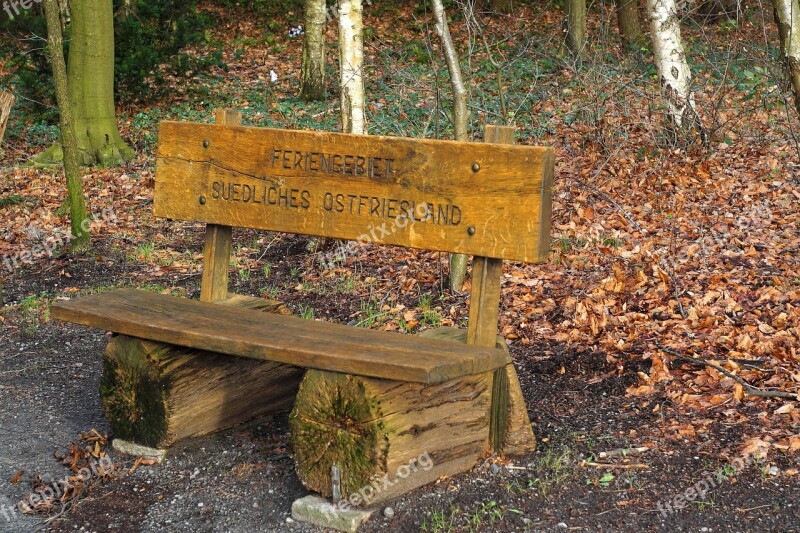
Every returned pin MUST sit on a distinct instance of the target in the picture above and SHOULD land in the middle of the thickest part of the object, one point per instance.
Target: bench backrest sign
(482, 199)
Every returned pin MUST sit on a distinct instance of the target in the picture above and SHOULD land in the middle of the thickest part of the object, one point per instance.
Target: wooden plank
(484, 301)
(216, 256)
(409, 192)
(283, 339)
(217, 249)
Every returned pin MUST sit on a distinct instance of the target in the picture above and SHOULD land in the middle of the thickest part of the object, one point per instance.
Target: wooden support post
(510, 426)
(217, 249)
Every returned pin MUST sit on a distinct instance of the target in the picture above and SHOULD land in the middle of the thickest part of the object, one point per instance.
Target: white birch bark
(673, 68)
(788, 14)
(351, 66)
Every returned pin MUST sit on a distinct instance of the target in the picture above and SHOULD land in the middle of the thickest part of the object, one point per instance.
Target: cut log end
(133, 392)
(334, 422)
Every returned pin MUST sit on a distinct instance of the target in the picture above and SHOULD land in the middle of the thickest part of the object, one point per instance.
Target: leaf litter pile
(684, 259)
(88, 465)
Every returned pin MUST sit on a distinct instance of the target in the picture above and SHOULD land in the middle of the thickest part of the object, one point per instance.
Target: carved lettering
(261, 195)
(393, 211)
(344, 164)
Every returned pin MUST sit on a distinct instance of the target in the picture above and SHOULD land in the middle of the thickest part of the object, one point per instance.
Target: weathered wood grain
(155, 394)
(510, 428)
(283, 339)
(481, 199)
(217, 248)
(411, 433)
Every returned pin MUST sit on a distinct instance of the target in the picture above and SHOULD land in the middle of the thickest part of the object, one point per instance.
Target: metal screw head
(476, 167)
(202, 200)
(205, 143)
(471, 230)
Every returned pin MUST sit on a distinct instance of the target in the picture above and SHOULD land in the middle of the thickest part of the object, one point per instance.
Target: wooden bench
(370, 400)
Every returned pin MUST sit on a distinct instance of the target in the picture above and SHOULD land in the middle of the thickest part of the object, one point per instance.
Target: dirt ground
(243, 479)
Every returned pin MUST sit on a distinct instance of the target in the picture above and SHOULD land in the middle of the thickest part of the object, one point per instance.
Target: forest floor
(661, 251)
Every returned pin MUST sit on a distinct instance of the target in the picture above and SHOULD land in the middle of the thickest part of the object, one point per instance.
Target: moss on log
(155, 394)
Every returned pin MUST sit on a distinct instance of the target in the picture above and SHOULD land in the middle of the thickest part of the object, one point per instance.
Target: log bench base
(154, 393)
(389, 437)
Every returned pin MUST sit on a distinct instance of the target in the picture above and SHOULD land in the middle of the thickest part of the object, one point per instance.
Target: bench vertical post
(217, 249)
(487, 272)
(510, 429)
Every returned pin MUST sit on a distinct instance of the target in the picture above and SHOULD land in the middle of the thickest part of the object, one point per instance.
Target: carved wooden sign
(482, 199)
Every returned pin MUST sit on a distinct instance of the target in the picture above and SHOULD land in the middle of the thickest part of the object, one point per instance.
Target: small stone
(527, 521)
(130, 448)
(705, 529)
(773, 471)
(255, 505)
(388, 512)
(495, 468)
(562, 525)
(289, 520)
(200, 504)
(314, 510)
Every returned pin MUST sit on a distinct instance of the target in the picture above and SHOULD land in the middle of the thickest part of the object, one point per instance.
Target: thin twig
(612, 466)
(748, 388)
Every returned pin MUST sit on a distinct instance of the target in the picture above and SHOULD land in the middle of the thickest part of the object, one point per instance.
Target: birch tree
(458, 262)
(312, 82)
(351, 66)
(787, 15)
(673, 68)
(351, 79)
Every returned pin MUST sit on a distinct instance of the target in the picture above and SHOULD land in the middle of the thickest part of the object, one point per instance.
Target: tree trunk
(673, 68)
(351, 66)
(787, 14)
(312, 84)
(575, 29)
(154, 394)
(502, 6)
(458, 262)
(77, 204)
(91, 87)
(6, 101)
(351, 81)
(630, 30)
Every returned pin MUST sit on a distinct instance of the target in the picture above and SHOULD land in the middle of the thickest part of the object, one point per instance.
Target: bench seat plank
(284, 339)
